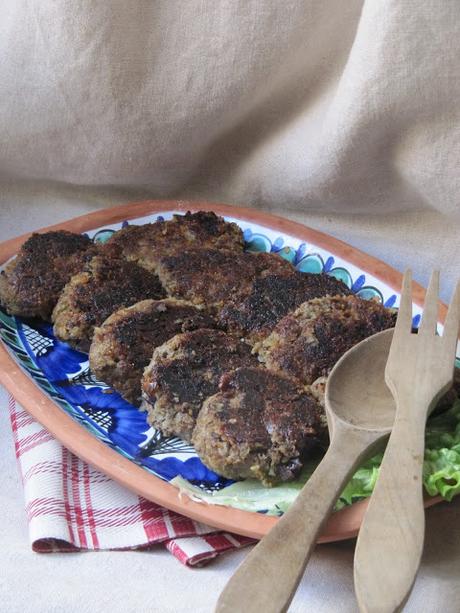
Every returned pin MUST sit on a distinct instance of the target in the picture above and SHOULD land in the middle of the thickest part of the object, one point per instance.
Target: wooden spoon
(360, 412)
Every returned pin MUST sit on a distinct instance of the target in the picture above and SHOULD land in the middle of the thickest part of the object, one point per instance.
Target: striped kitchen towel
(72, 507)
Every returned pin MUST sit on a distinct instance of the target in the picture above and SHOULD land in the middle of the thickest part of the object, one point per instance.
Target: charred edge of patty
(274, 296)
(260, 424)
(183, 372)
(213, 276)
(452, 395)
(104, 286)
(202, 229)
(123, 346)
(31, 283)
(206, 224)
(308, 342)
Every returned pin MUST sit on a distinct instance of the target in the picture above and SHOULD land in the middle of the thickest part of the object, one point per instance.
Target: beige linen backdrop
(341, 113)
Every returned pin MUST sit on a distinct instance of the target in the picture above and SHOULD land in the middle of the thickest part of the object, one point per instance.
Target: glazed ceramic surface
(64, 374)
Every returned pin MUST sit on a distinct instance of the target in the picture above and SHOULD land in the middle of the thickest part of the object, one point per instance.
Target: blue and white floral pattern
(64, 373)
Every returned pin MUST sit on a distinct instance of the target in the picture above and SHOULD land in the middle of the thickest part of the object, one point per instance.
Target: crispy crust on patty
(31, 283)
(147, 243)
(104, 286)
(123, 346)
(274, 296)
(260, 424)
(308, 342)
(212, 276)
(183, 372)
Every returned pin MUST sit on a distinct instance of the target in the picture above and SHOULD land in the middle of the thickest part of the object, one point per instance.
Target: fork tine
(430, 308)
(404, 320)
(452, 323)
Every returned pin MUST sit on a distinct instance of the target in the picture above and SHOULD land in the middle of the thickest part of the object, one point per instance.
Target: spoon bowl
(356, 392)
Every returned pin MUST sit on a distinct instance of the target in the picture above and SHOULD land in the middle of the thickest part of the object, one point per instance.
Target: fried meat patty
(260, 424)
(31, 283)
(102, 287)
(147, 243)
(123, 345)
(183, 372)
(213, 276)
(274, 296)
(308, 342)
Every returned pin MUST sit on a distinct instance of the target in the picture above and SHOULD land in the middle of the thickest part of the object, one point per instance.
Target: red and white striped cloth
(71, 506)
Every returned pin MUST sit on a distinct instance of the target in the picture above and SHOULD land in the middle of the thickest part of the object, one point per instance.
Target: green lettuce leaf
(362, 483)
(441, 468)
(441, 475)
(250, 495)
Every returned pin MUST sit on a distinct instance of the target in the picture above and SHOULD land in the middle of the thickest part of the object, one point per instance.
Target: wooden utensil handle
(390, 541)
(268, 577)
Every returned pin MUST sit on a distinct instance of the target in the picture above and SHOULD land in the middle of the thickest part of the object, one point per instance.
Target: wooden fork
(419, 370)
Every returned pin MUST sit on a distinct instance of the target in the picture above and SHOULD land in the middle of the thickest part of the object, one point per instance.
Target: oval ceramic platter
(54, 382)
